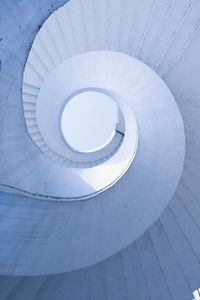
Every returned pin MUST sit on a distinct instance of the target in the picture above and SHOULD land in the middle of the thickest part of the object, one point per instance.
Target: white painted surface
(84, 174)
(178, 263)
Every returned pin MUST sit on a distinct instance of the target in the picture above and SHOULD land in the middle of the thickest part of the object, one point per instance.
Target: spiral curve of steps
(164, 263)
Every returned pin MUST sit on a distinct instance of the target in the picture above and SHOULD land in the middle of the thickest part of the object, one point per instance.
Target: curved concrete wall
(165, 262)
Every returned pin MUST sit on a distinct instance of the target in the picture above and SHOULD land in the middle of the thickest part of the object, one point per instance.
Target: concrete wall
(165, 262)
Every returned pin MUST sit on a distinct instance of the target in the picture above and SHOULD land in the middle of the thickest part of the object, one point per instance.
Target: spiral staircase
(133, 234)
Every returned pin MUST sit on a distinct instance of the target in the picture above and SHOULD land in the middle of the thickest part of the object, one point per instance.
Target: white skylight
(88, 121)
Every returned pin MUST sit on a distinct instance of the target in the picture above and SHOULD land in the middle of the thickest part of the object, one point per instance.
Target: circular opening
(89, 120)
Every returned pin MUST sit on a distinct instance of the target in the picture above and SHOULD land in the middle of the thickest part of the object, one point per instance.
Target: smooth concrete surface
(164, 263)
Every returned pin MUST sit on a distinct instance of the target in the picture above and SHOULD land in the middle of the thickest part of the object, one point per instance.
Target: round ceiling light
(89, 121)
